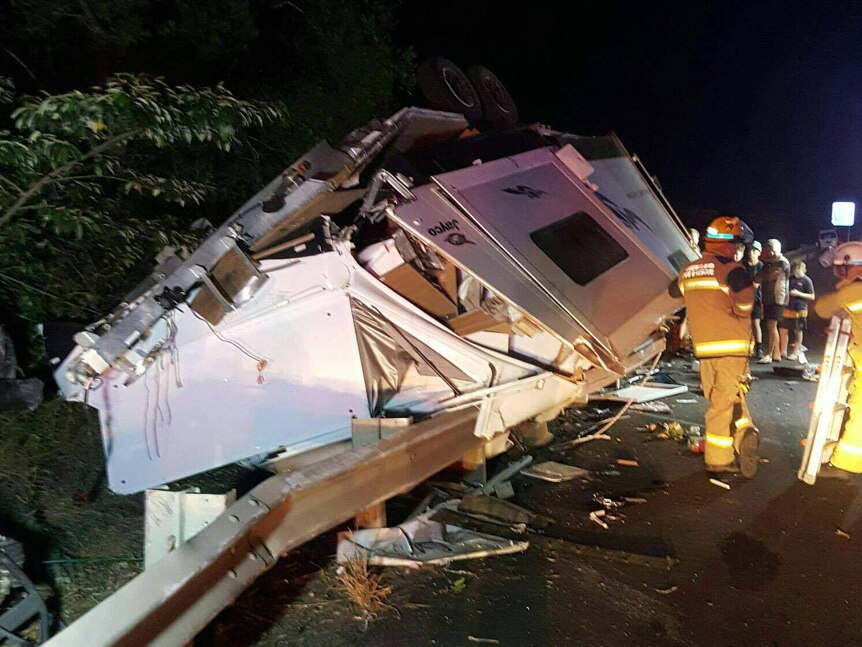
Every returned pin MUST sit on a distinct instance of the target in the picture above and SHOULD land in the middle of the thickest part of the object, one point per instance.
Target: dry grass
(364, 589)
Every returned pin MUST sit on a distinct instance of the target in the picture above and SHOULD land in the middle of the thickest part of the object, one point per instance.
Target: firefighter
(847, 266)
(719, 299)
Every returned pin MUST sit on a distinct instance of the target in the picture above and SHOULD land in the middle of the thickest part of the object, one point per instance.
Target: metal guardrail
(177, 597)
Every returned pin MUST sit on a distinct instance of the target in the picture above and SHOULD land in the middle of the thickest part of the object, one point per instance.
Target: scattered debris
(625, 462)
(579, 441)
(667, 430)
(634, 499)
(697, 444)
(595, 517)
(421, 541)
(459, 585)
(789, 371)
(764, 460)
(668, 590)
(652, 407)
(720, 484)
(686, 401)
(556, 472)
(497, 509)
(487, 641)
(841, 533)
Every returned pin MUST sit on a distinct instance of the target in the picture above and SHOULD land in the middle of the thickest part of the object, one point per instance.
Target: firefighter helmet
(729, 229)
(847, 262)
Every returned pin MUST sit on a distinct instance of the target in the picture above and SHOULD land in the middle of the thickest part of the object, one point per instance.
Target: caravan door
(553, 225)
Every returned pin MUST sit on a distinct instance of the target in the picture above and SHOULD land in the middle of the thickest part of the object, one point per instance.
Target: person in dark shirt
(796, 313)
(753, 265)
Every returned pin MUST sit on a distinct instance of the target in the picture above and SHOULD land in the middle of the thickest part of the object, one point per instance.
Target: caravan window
(580, 247)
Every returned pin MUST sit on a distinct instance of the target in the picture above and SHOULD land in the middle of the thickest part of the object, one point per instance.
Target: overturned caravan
(417, 269)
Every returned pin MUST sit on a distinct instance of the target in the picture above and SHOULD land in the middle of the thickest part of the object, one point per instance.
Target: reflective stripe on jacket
(719, 299)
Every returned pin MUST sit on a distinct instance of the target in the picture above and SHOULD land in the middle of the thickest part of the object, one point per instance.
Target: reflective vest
(719, 299)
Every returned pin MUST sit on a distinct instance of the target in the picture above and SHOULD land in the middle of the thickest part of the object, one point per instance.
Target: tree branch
(57, 173)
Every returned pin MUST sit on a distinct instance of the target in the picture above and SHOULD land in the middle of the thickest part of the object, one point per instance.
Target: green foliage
(89, 223)
(79, 203)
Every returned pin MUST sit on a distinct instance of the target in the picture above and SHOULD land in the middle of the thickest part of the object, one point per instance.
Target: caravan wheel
(500, 110)
(446, 87)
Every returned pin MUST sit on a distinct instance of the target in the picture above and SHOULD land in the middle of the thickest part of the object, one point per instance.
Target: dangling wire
(261, 361)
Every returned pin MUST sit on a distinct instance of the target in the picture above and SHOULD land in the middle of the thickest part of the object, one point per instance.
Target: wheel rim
(456, 87)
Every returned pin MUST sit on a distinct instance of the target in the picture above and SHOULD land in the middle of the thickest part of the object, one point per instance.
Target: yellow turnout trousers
(848, 453)
(727, 416)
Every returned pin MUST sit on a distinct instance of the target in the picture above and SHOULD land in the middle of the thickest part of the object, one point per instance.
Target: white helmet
(847, 263)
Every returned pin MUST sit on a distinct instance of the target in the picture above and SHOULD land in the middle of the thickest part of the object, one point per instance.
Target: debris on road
(579, 441)
(634, 499)
(652, 407)
(421, 541)
(686, 401)
(841, 533)
(667, 591)
(642, 393)
(487, 641)
(626, 462)
(720, 484)
(595, 517)
(556, 472)
(593, 432)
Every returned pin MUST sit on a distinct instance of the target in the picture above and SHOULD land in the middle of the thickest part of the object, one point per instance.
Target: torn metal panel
(422, 542)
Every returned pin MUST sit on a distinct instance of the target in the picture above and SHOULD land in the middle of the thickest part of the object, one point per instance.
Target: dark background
(749, 108)
(752, 108)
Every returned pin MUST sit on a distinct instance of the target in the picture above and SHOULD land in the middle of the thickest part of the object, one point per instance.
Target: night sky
(753, 109)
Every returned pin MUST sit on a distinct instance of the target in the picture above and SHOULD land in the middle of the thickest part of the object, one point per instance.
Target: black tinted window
(580, 247)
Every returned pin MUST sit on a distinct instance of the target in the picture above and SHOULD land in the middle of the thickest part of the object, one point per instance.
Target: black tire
(446, 87)
(499, 108)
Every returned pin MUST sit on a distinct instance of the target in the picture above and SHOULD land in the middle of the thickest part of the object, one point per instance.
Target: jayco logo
(441, 227)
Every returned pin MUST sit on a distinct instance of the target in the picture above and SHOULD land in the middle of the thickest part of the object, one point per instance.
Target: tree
(79, 204)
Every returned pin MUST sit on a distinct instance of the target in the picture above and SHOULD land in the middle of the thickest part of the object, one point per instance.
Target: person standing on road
(754, 266)
(719, 298)
(796, 312)
(847, 299)
(774, 282)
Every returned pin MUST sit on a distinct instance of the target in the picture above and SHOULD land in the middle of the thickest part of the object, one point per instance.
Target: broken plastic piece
(556, 472)
(651, 407)
(625, 462)
(720, 484)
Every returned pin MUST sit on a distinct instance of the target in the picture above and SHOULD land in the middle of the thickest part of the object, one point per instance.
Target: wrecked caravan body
(409, 272)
